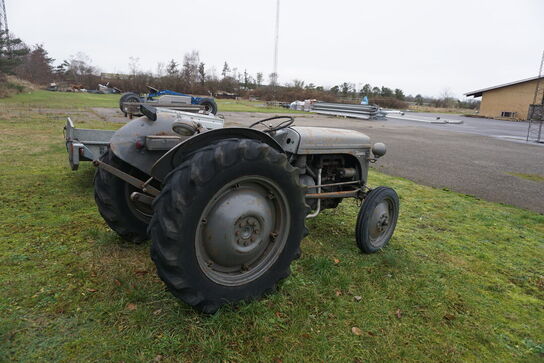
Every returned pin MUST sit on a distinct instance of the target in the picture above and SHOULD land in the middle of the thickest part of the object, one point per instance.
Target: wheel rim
(141, 210)
(242, 231)
(207, 107)
(381, 223)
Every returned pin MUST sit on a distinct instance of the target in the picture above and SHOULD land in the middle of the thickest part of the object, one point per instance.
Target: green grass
(462, 279)
(532, 177)
(250, 106)
(60, 100)
(71, 100)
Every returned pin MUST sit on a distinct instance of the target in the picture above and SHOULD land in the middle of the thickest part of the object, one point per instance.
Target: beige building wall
(515, 98)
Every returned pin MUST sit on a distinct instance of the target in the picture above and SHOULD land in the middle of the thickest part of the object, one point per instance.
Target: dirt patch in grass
(532, 177)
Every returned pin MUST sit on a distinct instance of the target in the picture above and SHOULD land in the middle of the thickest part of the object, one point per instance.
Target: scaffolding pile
(365, 112)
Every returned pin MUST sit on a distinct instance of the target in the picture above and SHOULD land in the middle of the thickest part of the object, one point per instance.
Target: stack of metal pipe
(347, 110)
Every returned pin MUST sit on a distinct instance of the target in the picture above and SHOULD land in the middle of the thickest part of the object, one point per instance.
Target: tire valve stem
(244, 267)
(273, 236)
(204, 221)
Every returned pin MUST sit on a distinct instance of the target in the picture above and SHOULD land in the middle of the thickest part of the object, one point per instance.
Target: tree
(419, 100)
(366, 90)
(12, 53)
(202, 73)
(297, 83)
(79, 68)
(376, 91)
(246, 79)
(399, 95)
(346, 88)
(61, 69)
(386, 92)
(160, 69)
(36, 66)
(172, 68)
(259, 79)
(189, 70)
(226, 70)
(334, 90)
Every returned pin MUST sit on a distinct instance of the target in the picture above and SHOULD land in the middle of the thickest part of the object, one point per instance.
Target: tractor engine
(330, 161)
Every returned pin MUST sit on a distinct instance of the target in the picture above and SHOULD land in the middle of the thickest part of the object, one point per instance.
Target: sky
(420, 46)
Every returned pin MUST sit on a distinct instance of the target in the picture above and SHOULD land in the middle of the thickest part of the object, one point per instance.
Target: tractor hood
(323, 140)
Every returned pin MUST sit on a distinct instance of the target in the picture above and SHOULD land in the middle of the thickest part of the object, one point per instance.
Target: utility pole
(535, 131)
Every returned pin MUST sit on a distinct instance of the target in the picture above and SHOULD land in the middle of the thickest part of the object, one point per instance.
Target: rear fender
(177, 155)
(142, 142)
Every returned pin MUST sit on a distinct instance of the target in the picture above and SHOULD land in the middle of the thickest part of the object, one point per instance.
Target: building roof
(478, 93)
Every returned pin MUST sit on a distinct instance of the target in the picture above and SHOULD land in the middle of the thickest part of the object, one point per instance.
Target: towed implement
(130, 102)
(225, 208)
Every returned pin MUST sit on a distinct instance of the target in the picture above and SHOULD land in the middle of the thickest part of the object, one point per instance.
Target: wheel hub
(247, 230)
(382, 223)
(236, 226)
(379, 221)
(243, 230)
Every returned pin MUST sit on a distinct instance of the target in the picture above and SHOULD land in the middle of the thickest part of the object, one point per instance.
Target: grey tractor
(225, 207)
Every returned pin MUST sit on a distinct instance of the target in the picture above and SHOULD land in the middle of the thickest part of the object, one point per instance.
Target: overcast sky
(420, 46)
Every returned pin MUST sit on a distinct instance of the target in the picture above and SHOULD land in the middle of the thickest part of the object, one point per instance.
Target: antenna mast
(274, 77)
(4, 22)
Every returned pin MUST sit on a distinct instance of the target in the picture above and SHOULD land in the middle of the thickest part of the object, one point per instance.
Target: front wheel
(377, 219)
(227, 224)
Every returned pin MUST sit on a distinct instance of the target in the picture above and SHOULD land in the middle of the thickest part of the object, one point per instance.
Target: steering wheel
(286, 123)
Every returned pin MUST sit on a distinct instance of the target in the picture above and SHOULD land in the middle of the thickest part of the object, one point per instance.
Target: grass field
(69, 100)
(462, 279)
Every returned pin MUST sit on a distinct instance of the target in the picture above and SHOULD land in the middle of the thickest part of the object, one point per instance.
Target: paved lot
(509, 130)
(475, 159)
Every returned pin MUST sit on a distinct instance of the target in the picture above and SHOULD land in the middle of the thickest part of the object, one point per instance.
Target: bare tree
(79, 68)
(133, 65)
(189, 70)
(160, 69)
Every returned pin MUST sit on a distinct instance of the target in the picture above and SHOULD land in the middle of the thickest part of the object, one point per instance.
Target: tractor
(225, 207)
(165, 98)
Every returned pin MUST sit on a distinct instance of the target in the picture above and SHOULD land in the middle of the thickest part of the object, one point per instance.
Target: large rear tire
(127, 218)
(124, 98)
(227, 224)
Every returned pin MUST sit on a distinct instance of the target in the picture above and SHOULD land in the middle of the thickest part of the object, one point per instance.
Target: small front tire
(377, 219)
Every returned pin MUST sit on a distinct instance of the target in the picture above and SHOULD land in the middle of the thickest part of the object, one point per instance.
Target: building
(509, 100)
